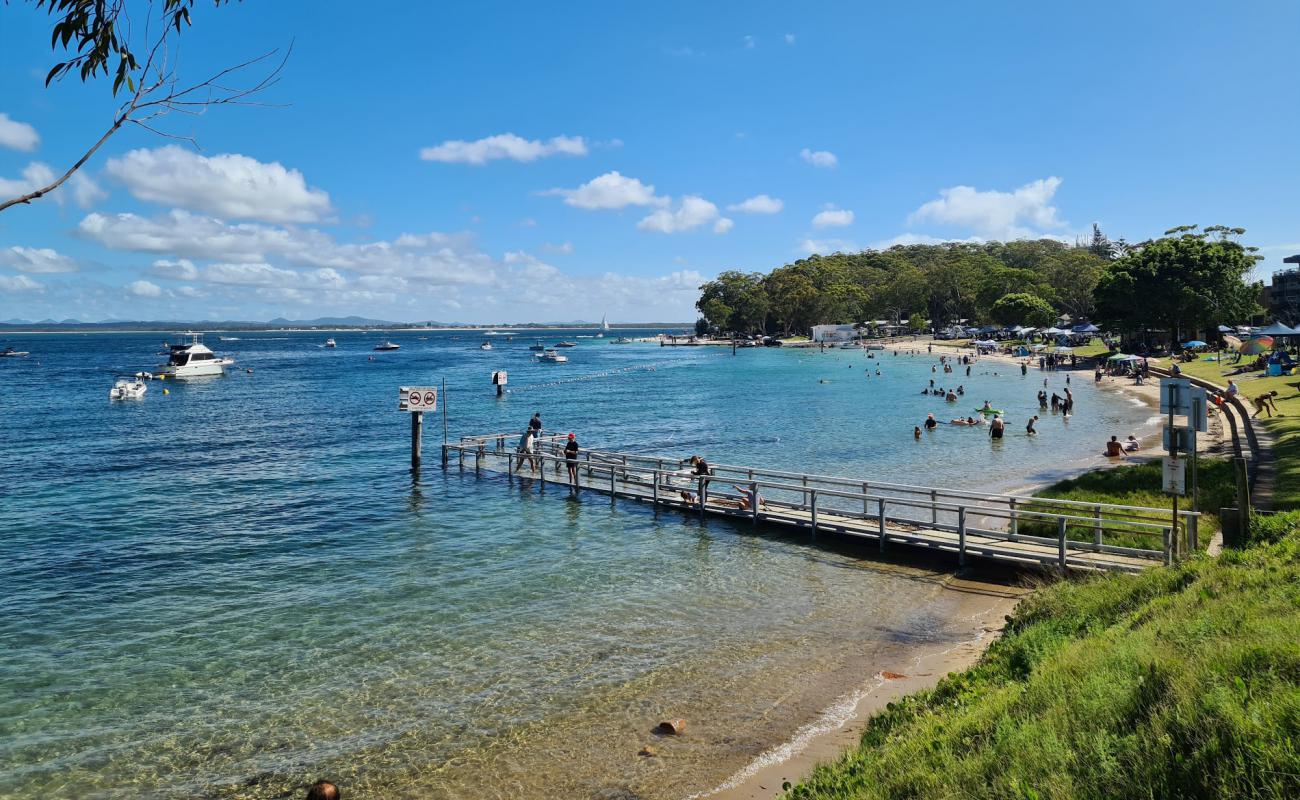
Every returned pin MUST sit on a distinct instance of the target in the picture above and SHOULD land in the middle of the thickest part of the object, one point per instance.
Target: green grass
(1136, 485)
(1180, 682)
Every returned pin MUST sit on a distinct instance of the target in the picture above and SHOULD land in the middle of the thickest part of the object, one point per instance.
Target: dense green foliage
(1183, 283)
(1178, 284)
(1181, 682)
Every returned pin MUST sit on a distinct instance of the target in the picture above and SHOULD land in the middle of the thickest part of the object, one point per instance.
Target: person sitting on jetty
(930, 422)
(997, 427)
(323, 790)
(1131, 444)
(1264, 402)
(699, 468)
(747, 497)
(1113, 448)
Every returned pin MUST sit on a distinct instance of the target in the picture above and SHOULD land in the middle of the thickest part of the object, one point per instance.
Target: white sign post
(417, 400)
(499, 380)
(1173, 479)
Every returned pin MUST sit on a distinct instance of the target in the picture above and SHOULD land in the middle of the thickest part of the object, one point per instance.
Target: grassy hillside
(1180, 682)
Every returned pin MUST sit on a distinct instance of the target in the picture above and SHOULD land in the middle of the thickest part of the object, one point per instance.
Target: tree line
(1182, 282)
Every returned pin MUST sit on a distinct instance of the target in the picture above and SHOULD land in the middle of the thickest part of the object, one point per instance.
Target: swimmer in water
(1029, 426)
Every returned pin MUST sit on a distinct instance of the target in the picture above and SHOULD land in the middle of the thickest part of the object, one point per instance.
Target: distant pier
(1063, 534)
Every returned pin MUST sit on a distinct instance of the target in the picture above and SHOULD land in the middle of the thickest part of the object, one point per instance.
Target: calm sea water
(236, 588)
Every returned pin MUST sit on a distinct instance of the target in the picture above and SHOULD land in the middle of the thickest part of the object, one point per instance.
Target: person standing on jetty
(527, 450)
(699, 468)
(571, 460)
(535, 424)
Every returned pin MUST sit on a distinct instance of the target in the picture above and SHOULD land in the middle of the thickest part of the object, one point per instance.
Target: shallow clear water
(235, 588)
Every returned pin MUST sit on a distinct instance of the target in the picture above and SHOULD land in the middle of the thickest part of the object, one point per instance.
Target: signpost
(1179, 398)
(417, 400)
(499, 381)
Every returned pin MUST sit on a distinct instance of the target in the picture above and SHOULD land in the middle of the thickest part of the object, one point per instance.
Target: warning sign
(417, 398)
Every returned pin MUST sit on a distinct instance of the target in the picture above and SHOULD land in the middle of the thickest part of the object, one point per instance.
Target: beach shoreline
(793, 761)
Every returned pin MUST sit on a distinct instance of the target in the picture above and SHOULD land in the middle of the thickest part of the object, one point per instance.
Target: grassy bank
(1179, 682)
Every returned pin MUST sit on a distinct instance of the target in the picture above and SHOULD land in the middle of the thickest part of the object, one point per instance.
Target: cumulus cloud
(19, 283)
(758, 204)
(144, 289)
(182, 269)
(819, 158)
(832, 217)
(229, 185)
(503, 146)
(824, 246)
(610, 191)
(691, 213)
(993, 214)
(18, 135)
(37, 260)
(85, 192)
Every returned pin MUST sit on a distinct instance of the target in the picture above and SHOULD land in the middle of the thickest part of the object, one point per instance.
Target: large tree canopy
(1023, 308)
(1181, 283)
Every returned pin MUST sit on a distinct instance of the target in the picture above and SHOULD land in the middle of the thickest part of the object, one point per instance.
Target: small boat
(331, 343)
(551, 357)
(387, 345)
(193, 359)
(875, 347)
(485, 346)
(9, 352)
(566, 344)
(622, 340)
(537, 346)
(228, 338)
(128, 389)
(604, 323)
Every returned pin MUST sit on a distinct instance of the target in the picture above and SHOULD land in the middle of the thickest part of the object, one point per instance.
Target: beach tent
(1053, 331)
(985, 343)
(1277, 329)
(1121, 357)
(1087, 328)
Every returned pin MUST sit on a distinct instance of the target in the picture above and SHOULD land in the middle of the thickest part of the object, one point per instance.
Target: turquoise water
(236, 588)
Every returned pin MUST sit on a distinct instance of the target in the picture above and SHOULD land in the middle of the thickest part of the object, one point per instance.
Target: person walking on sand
(571, 459)
(997, 427)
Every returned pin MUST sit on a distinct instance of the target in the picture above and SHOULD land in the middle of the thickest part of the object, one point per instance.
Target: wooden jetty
(1062, 534)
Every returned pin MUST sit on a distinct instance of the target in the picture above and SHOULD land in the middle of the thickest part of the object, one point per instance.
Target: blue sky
(499, 162)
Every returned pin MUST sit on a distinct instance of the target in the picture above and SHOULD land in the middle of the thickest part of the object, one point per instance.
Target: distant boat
(9, 352)
(566, 344)
(387, 345)
(228, 338)
(622, 340)
(331, 343)
(551, 357)
(193, 359)
(485, 346)
(604, 323)
(537, 346)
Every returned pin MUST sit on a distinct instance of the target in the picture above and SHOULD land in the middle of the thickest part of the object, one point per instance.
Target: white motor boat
(387, 345)
(551, 357)
(193, 359)
(128, 389)
(331, 343)
(485, 346)
(9, 352)
(622, 340)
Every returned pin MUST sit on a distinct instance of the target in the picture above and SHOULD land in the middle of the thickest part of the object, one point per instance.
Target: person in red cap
(571, 460)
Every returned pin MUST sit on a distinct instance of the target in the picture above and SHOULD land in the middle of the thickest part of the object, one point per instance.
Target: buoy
(167, 391)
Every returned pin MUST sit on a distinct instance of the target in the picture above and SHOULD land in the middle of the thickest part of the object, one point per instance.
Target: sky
(511, 162)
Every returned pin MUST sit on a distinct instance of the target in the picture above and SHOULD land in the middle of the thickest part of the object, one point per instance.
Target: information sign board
(417, 398)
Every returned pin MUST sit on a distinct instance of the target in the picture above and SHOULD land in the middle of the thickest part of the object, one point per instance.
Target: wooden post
(1168, 537)
(654, 493)
(881, 520)
(866, 511)
(961, 536)
(1015, 519)
(812, 504)
(934, 509)
(753, 500)
(417, 429)
(1060, 544)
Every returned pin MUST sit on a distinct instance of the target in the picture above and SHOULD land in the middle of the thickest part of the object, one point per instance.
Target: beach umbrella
(1257, 345)
(1195, 343)
(1120, 357)
(1233, 342)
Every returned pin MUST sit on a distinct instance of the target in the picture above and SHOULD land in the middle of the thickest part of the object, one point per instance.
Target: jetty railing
(1067, 533)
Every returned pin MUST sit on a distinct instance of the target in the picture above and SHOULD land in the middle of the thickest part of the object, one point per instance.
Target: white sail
(604, 324)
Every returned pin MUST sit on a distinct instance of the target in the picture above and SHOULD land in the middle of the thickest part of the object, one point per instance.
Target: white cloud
(789, 38)
(826, 246)
(144, 289)
(528, 222)
(993, 214)
(920, 238)
(503, 146)
(758, 204)
(189, 291)
(230, 185)
(832, 217)
(19, 283)
(819, 158)
(564, 247)
(182, 269)
(610, 191)
(41, 261)
(85, 192)
(691, 212)
(18, 135)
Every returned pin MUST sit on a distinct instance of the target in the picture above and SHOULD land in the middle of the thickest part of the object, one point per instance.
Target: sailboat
(604, 326)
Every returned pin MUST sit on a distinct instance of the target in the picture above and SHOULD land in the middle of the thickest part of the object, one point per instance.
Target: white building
(833, 333)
